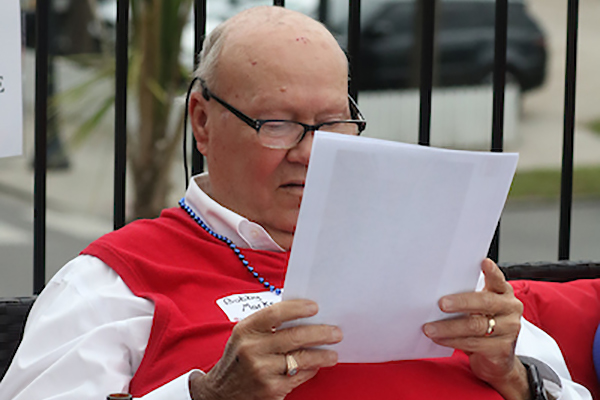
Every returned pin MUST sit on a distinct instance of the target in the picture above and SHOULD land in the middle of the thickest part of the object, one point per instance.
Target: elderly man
(142, 309)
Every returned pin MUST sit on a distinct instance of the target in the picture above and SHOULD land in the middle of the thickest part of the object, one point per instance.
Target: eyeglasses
(285, 134)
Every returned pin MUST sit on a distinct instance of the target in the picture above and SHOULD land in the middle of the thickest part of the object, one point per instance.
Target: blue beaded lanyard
(231, 245)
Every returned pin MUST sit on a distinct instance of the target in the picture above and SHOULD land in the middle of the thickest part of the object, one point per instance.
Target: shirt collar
(242, 232)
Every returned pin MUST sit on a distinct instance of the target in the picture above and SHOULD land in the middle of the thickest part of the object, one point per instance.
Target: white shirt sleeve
(86, 323)
(533, 342)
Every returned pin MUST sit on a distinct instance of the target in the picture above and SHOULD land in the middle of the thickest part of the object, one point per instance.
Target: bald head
(262, 16)
(270, 33)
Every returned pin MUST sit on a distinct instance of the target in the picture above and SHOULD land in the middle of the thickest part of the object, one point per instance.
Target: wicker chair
(14, 311)
(561, 271)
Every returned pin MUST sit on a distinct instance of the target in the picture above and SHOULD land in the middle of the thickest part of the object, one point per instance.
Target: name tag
(239, 306)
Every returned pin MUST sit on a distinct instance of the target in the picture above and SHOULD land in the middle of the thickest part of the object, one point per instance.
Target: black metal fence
(427, 24)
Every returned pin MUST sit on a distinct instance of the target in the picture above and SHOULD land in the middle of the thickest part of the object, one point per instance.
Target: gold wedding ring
(491, 326)
(292, 365)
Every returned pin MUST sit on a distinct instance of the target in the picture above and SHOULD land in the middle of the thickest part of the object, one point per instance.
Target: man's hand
(492, 356)
(253, 365)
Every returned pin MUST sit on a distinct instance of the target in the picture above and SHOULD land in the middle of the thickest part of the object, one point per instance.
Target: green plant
(157, 27)
(155, 79)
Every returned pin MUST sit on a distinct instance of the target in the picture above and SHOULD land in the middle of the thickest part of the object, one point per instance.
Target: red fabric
(441, 378)
(570, 313)
(183, 270)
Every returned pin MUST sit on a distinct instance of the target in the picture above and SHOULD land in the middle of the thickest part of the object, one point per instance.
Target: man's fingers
(490, 347)
(273, 316)
(310, 359)
(260, 333)
(488, 302)
(494, 278)
(472, 326)
(486, 328)
(304, 336)
(301, 377)
(475, 303)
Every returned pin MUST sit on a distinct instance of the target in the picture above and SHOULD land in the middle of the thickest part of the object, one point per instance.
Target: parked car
(217, 12)
(464, 44)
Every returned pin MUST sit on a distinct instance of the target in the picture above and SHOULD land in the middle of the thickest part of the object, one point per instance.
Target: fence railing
(427, 24)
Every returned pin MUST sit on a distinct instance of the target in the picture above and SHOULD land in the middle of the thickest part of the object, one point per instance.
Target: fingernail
(429, 330)
(333, 358)
(337, 334)
(312, 308)
(447, 304)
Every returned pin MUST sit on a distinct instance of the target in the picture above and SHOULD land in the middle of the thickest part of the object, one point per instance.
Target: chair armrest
(13, 314)
(552, 271)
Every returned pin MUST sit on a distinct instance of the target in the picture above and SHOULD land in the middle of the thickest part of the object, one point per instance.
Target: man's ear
(198, 119)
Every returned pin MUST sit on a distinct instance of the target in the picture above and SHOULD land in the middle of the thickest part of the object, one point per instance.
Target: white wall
(461, 117)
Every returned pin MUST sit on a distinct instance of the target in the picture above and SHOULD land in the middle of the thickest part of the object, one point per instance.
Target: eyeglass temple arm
(207, 94)
(354, 110)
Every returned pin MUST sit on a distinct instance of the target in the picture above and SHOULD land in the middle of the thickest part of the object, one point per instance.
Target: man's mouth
(293, 185)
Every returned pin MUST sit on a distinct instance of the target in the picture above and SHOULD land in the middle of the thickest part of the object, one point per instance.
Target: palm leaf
(76, 93)
(89, 125)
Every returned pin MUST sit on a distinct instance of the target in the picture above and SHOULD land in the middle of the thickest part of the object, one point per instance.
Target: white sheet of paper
(385, 230)
(11, 103)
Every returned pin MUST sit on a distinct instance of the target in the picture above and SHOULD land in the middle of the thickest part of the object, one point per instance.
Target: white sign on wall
(11, 98)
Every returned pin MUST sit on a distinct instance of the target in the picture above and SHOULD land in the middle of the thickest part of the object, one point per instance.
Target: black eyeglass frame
(256, 124)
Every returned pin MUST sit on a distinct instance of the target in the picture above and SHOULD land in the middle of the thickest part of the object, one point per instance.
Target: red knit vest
(183, 270)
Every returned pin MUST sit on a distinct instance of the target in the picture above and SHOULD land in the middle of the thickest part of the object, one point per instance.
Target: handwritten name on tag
(11, 103)
(239, 306)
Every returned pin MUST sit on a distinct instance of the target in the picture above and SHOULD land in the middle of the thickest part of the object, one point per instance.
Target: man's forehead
(290, 35)
(270, 42)
(274, 25)
(278, 46)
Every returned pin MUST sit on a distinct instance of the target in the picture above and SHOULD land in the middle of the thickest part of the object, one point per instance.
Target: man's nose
(301, 152)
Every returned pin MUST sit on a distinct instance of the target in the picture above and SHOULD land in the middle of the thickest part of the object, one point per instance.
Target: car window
(465, 15)
(393, 18)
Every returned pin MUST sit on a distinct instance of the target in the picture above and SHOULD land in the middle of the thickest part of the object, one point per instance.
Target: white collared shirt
(88, 324)
(244, 233)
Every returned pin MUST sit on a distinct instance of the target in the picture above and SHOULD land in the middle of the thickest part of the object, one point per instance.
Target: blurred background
(80, 130)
